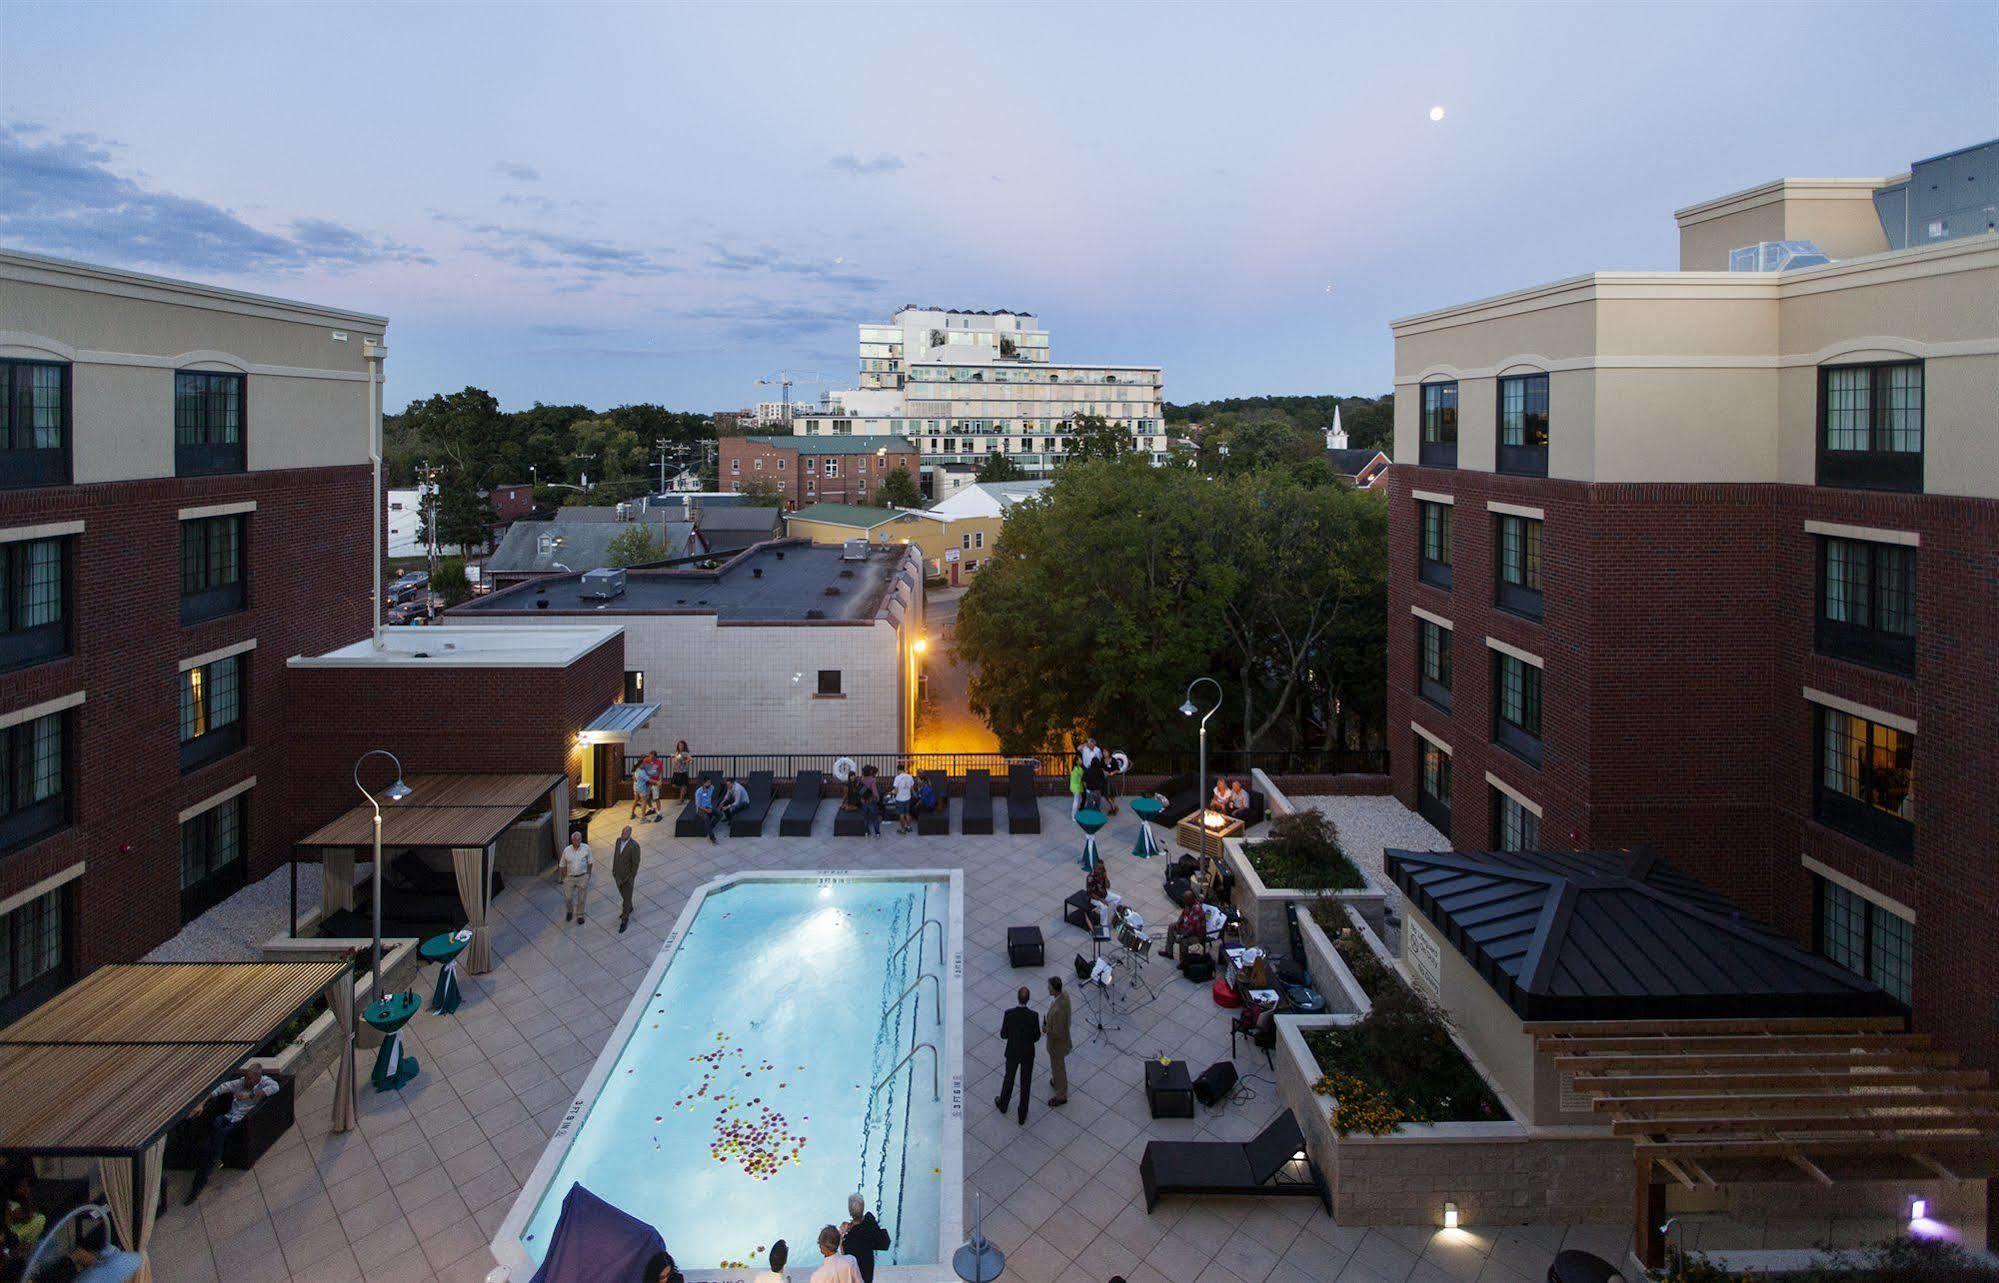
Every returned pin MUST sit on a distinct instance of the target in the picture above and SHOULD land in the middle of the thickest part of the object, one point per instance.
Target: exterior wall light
(1450, 1216)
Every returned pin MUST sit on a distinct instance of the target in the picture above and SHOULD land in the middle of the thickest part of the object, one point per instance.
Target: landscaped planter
(1264, 907)
(1330, 975)
(317, 1045)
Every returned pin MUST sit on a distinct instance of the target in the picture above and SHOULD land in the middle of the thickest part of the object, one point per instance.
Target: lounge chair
(242, 1145)
(688, 823)
(749, 822)
(1183, 798)
(1023, 810)
(976, 814)
(796, 822)
(1270, 1164)
(937, 822)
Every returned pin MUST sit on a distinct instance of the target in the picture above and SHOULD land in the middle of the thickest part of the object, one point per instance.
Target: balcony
(201, 460)
(34, 822)
(1436, 692)
(1889, 652)
(1887, 833)
(1435, 810)
(212, 604)
(25, 646)
(1522, 460)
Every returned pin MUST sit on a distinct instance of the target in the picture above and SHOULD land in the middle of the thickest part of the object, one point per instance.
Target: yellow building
(953, 546)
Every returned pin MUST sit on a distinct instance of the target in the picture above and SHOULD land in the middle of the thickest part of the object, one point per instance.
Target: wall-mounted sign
(1426, 959)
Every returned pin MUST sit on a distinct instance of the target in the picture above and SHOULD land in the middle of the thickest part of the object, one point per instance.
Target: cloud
(768, 322)
(536, 250)
(517, 171)
(59, 195)
(767, 259)
(848, 163)
(565, 331)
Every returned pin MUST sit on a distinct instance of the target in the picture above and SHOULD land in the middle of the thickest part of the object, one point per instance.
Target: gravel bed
(235, 930)
(1370, 825)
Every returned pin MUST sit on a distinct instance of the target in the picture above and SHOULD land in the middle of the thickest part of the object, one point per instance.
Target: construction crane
(784, 379)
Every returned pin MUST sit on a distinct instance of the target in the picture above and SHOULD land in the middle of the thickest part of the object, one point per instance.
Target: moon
(1436, 113)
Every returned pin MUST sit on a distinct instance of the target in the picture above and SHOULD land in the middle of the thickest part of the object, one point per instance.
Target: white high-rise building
(964, 385)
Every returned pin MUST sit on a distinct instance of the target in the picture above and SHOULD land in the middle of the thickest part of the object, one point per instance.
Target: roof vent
(854, 550)
(831, 591)
(756, 572)
(602, 584)
(541, 603)
(846, 574)
(780, 554)
(815, 614)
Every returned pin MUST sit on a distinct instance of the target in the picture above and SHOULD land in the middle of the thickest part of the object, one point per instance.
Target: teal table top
(1147, 807)
(393, 1011)
(442, 948)
(1090, 820)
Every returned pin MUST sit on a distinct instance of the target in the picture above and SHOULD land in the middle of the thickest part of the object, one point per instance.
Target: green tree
(899, 490)
(633, 546)
(1092, 436)
(464, 518)
(1000, 467)
(450, 581)
(760, 492)
(1242, 444)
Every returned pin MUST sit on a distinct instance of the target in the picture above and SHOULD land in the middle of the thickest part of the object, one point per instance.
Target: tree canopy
(1369, 421)
(899, 489)
(1092, 436)
(1126, 581)
(633, 546)
(1000, 467)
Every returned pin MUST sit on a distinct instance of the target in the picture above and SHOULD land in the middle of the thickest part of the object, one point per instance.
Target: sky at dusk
(617, 203)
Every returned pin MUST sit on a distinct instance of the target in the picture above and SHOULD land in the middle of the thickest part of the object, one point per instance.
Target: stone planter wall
(1330, 975)
(1266, 908)
(315, 1048)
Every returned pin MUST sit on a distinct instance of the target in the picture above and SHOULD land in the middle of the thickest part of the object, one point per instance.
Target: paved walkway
(418, 1190)
(946, 723)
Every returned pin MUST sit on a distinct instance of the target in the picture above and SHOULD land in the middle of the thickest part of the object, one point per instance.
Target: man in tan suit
(1055, 1026)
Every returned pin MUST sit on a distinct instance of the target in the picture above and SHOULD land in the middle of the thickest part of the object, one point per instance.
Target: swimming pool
(778, 1056)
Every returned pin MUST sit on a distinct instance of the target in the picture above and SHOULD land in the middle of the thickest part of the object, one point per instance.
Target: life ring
(1120, 762)
(843, 767)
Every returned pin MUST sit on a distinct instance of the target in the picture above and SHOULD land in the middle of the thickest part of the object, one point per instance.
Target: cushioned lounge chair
(688, 823)
(796, 822)
(749, 822)
(975, 815)
(1274, 1163)
(1023, 810)
(938, 822)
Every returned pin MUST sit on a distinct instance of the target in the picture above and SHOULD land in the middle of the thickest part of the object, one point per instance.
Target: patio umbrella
(1090, 820)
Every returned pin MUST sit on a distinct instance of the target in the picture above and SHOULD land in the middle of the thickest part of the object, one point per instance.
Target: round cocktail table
(1147, 809)
(445, 949)
(1090, 820)
(392, 1068)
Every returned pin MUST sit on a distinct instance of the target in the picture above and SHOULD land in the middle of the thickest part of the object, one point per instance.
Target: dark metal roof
(1616, 935)
(1351, 460)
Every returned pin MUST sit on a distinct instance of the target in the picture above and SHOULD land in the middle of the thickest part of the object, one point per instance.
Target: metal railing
(936, 993)
(785, 766)
(918, 935)
(936, 1091)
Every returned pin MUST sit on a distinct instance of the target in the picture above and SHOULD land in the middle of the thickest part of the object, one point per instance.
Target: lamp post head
(398, 791)
(920, 645)
(1187, 709)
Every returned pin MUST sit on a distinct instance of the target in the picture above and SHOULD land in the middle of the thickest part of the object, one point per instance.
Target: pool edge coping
(515, 1265)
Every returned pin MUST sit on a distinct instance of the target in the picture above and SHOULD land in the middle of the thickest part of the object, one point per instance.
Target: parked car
(406, 585)
(416, 610)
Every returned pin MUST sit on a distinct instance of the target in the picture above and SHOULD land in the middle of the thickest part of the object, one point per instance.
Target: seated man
(1238, 803)
(705, 806)
(926, 798)
(735, 798)
(1190, 928)
(226, 1107)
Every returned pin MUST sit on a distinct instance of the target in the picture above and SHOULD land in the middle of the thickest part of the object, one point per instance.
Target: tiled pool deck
(416, 1192)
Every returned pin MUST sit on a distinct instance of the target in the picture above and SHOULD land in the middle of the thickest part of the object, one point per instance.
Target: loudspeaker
(1215, 1083)
(1198, 967)
(1082, 967)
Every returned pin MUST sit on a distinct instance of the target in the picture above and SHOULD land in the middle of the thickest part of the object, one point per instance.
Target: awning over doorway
(615, 724)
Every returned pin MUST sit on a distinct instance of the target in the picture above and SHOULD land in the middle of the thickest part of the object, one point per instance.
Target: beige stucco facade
(1836, 214)
(124, 335)
(961, 542)
(1712, 376)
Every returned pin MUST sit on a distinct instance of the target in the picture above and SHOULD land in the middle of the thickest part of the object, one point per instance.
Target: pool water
(743, 1107)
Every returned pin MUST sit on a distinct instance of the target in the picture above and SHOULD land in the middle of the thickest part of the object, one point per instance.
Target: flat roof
(461, 646)
(858, 516)
(100, 276)
(468, 810)
(1618, 935)
(778, 581)
(866, 444)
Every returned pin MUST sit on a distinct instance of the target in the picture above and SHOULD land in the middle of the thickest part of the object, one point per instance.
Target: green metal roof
(864, 444)
(846, 514)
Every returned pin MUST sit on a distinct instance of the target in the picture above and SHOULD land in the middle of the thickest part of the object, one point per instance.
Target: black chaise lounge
(688, 823)
(749, 822)
(796, 822)
(1270, 1164)
(975, 816)
(934, 823)
(1023, 812)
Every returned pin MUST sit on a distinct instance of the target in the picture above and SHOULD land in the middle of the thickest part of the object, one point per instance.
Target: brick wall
(859, 480)
(307, 589)
(1678, 640)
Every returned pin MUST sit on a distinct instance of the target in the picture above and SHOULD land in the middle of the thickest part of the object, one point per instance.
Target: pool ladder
(936, 992)
(917, 935)
(936, 1091)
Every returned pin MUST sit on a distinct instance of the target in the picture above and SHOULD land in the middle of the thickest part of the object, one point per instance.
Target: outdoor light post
(978, 1261)
(396, 792)
(1188, 710)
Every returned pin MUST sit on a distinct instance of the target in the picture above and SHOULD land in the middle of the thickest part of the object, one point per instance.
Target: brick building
(184, 504)
(809, 470)
(1709, 560)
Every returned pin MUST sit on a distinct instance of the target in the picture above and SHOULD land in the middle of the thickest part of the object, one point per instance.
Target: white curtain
(336, 879)
(341, 999)
(132, 1223)
(469, 863)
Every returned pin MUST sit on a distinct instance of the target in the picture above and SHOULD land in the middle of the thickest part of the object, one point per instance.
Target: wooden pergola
(1824, 1099)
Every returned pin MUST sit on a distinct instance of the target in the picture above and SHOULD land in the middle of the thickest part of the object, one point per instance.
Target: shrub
(1898, 1260)
(450, 582)
(1303, 850)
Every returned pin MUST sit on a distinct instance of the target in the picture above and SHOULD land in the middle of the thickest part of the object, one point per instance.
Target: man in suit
(1055, 1028)
(625, 872)
(1021, 1029)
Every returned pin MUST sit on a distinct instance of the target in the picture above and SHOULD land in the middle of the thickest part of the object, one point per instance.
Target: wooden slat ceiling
(106, 1098)
(1798, 1090)
(177, 1003)
(441, 811)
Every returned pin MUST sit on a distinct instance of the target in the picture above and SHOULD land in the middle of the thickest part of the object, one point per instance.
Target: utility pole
(427, 475)
(660, 442)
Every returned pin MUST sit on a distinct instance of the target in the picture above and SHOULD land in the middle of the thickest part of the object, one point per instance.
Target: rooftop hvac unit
(1776, 256)
(602, 585)
(854, 550)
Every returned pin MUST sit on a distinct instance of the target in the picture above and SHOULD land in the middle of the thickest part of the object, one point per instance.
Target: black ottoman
(1023, 947)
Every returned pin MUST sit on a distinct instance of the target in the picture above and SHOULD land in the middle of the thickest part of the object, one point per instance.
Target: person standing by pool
(905, 796)
(1075, 788)
(1055, 1027)
(575, 867)
(1021, 1029)
(625, 872)
(871, 802)
(838, 1267)
(862, 1236)
(682, 767)
(642, 783)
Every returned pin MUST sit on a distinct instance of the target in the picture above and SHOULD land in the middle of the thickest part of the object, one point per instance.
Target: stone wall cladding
(307, 591)
(1678, 641)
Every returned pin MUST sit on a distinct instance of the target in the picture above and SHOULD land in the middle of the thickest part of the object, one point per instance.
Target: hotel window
(1517, 828)
(1865, 938)
(1867, 603)
(34, 953)
(1433, 785)
(34, 423)
(1523, 425)
(1439, 447)
(211, 711)
(757, 465)
(1516, 706)
(832, 467)
(829, 681)
(1518, 540)
(1866, 784)
(1871, 426)
(635, 686)
(208, 423)
(34, 602)
(736, 466)
(1433, 663)
(211, 567)
(1433, 524)
(212, 857)
(34, 779)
